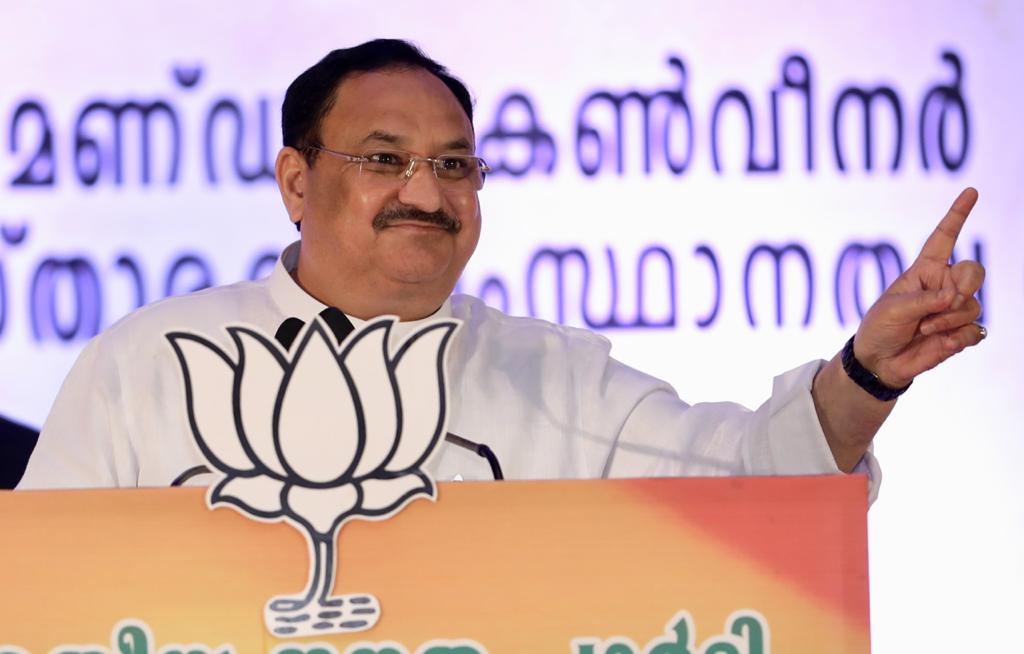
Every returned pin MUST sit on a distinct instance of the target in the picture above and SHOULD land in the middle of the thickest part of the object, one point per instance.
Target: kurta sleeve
(664, 436)
(83, 444)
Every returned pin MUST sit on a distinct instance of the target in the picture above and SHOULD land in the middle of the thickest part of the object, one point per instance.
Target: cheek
(468, 212)
(347, 208)
(357, 201)
(366, 201)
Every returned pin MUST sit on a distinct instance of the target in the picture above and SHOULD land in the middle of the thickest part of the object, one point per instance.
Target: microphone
(194, 471)
(479, 449)
(335, 319)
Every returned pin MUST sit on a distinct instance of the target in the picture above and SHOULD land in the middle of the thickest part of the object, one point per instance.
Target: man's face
(373, 236)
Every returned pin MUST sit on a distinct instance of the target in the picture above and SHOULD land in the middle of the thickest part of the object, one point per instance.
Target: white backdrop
(87, 232)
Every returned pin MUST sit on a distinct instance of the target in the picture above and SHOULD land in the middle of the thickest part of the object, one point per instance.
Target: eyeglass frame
(413, 160)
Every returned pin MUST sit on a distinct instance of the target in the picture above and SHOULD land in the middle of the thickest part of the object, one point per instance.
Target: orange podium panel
(653, 566)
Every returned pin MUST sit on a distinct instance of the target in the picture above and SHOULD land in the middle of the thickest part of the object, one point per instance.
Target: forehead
(411, 104)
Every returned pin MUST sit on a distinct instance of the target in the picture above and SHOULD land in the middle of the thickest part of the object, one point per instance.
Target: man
(378, 171)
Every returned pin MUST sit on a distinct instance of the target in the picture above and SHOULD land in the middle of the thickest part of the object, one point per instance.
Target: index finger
(939, 245)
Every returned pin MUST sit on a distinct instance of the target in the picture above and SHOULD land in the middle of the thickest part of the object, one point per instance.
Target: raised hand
(929, 313)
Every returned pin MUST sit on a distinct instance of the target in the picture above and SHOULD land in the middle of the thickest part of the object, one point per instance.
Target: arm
(925, 317)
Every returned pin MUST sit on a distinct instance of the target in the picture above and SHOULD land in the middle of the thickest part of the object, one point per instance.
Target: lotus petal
(261, 370)
(209, 379)
(385, 495)
(322, 509)
(259, 496)
(419, 370)
(317, 430)
(366, 360)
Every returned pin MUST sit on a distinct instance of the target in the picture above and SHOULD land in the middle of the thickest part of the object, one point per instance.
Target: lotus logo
(317, 438)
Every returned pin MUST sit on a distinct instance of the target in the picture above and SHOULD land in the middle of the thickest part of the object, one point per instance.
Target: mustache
(441, 218)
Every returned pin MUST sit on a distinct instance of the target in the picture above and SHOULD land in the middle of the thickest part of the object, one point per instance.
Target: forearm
(849, 415)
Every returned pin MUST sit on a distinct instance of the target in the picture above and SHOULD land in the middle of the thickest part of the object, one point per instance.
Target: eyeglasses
(457, 172)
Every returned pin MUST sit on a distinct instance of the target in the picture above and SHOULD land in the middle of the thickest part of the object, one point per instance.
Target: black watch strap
(866, 379)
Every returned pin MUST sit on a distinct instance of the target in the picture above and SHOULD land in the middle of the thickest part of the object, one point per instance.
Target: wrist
(867, 379)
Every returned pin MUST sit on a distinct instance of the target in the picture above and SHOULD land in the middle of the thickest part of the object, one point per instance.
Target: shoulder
(140, 336)
(541, 356)
(209, 307)
(483, 322)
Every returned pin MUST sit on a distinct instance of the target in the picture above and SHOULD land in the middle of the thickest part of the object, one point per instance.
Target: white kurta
(548, 400)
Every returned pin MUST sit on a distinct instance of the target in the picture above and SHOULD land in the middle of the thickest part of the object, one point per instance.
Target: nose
(421, 188)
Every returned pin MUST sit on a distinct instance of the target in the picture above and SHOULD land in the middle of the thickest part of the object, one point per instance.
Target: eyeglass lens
(456, 170)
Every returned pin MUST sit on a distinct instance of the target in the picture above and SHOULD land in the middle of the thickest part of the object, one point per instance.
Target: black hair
(310, 97)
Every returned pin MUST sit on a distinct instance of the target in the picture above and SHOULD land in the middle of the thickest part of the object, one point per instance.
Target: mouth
(414, 224)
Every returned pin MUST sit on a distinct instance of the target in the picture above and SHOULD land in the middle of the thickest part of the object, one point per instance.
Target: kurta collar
(293, 301)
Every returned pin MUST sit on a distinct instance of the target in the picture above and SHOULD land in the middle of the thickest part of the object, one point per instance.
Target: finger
(966, 314)
(912, 307)
(939, 245)
(956, 340)
(967, 277)
(930, 351)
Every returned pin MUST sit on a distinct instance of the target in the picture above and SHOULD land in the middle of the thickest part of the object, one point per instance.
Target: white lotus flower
(318, 438)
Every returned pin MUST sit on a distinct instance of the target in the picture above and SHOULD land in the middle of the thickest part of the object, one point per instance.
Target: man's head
(374, 243)
(311, 96)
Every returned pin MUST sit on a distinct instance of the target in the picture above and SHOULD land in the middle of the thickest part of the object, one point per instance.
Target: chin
(418, 264)
(418, 272)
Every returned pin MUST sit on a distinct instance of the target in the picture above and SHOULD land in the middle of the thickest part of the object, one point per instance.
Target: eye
(454, 164)
(387, 159)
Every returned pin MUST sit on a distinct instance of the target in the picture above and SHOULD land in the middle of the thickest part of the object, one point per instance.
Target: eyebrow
(457, 144)
(386, 137)
(381, 136)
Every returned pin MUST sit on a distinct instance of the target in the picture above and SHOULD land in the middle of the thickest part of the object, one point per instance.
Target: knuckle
(966, 337)
(974, 309)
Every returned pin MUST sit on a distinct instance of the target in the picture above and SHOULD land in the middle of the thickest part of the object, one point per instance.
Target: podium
(654, 566)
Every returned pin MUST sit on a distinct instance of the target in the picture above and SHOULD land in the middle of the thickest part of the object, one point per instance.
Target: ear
(290, 170)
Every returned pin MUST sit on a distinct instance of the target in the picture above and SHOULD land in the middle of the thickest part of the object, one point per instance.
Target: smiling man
(378, 170)
(388, 229)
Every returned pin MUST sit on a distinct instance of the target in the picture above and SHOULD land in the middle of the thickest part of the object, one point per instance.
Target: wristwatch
(866, 379)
